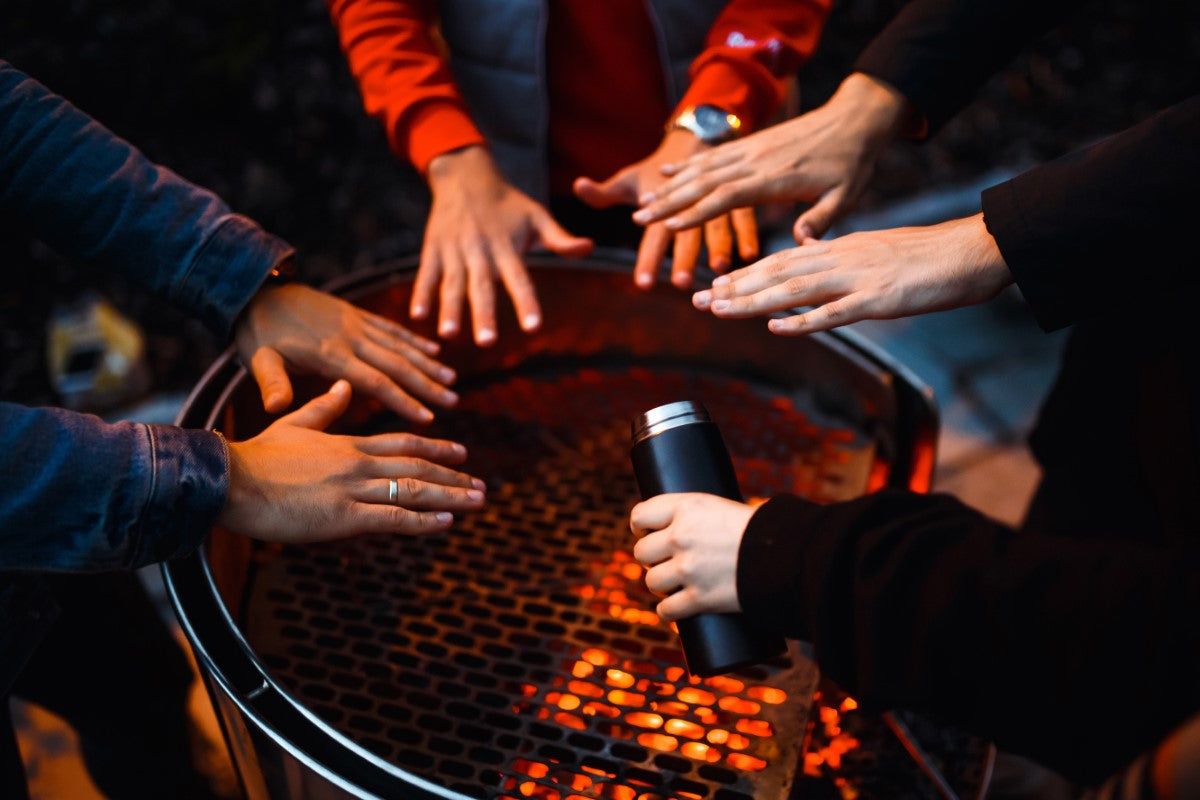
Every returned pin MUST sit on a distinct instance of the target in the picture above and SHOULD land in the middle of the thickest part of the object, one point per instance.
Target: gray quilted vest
(498, 56)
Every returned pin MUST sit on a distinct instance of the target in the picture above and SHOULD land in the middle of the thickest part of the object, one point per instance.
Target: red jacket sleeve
(753, 48)
(404, 79)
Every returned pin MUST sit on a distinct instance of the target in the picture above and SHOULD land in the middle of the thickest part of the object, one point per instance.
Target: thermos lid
(665, 417)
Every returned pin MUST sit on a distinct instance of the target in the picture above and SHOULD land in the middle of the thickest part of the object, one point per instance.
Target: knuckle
(411, 488)
(834, 311)
(795, 285)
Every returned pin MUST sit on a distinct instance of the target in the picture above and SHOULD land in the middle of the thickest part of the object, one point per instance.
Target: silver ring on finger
(393, 492)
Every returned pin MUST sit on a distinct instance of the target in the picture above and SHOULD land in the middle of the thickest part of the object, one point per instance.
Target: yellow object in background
(96, 356)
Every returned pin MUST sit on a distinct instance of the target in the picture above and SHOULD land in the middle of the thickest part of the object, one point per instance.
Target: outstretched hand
(295, 326)
(627, 186)
(479, 229)
(825, 157)
(294, 483)
(689, 543)
(870, 275)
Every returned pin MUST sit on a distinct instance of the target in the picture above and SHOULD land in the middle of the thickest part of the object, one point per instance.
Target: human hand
(869, 275)
(689, 542)
(825, 157)
(628, 185)
(297, 326)
(294, 483)
(479, 227)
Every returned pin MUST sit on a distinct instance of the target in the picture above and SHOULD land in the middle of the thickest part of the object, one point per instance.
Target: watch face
(712, 125)
(711, 118)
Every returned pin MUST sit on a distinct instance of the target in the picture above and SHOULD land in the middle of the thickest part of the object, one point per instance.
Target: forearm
(939, 52)
(752, 50)
(96, 198)
(919, 601)
(405, 81)
(85, 495)
(1073, 229)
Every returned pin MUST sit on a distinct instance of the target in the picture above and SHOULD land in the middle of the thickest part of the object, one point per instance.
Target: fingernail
(478, 484)
(485, 336)
(446, 375)
(474, 494)
(673, 224)
(702, 299)
(641, 217)
(448, 329)
(444, 517)
(340, 386)
(643, 281)
(425, 415)
(720, 265)
(721, 280)
(449, 397)
(646, 199)
(530, 322)
(458, 449)
(681, 280)
(419, 311)
(721, 305)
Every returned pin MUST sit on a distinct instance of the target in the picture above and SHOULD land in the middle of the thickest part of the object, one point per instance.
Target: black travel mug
(677, 448)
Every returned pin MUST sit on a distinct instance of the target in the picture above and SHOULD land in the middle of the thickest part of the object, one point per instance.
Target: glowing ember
(755, 727)
(596, 657)
(586, 689)
(570, 721)
(745, 762)
(697, 697)
(738, 705)
(725, 684)
(620, 697)
(622, 680)
(567, 702)
(700, 752)
(658, 741)
(592, 708)
(770, 695)
(644, 719)
(681, 727)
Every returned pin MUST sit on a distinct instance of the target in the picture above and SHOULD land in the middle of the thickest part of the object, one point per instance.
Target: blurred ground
(252, 98)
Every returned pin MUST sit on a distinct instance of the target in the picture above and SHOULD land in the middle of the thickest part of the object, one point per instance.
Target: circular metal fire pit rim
(232, 664)
(244, 679)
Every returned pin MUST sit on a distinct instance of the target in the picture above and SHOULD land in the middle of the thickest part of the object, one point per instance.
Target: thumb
(818, 219)
(320, 412)
(620, 188)
(557, 239)
(272, 378)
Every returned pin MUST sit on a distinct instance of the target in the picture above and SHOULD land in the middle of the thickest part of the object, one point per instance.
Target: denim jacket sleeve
(94, 197)
(80, 494)
(77, 493)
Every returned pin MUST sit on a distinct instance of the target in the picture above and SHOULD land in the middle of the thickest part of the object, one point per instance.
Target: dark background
(252, 98)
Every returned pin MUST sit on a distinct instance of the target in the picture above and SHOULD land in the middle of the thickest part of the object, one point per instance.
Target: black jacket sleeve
(1108, 227)
(1079, 653)
(937, 53)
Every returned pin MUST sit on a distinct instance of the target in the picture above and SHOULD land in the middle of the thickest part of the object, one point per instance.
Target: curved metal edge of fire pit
(234, 674)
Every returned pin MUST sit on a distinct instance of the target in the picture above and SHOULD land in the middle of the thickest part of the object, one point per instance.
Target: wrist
(474, 160)
(877, 108)
(977, 247)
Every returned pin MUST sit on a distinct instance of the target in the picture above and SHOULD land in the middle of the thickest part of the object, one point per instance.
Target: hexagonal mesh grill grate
(516, 656)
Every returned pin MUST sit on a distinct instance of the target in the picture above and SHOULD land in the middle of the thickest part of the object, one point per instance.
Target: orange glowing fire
(712, 720)
(828, 743)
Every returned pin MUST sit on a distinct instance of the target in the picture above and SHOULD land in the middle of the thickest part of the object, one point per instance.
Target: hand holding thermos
(677, 448)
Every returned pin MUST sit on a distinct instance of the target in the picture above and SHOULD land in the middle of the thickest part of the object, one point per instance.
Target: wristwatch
(709, 124)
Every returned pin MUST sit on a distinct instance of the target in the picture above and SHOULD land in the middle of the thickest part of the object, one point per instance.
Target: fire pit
(517, 654)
